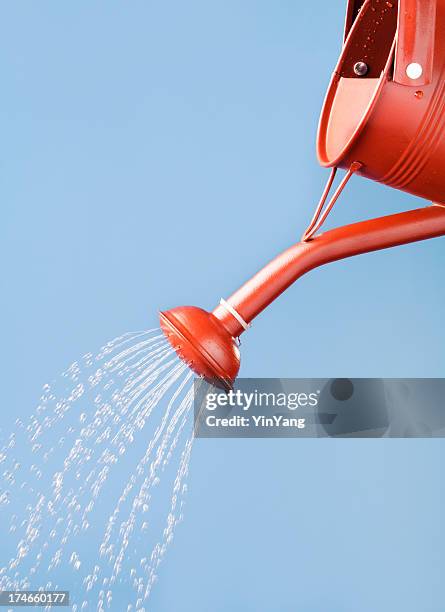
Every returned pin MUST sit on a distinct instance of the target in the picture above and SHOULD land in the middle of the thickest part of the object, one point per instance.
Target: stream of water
(93, 485)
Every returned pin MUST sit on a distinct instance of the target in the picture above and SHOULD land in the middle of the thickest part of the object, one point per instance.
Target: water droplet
(5, 498)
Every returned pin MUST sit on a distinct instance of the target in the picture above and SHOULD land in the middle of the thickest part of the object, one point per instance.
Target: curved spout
(375, 234)
(207, 341)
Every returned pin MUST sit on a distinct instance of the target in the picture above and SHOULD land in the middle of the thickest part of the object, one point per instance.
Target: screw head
(360, 68)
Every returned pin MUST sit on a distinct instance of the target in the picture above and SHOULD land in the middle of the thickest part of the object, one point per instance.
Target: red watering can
(384, 119)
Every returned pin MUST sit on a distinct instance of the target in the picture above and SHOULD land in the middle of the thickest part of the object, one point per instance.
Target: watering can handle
(416, 30)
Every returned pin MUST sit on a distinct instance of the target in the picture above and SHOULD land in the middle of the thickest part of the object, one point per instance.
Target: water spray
(383, 118)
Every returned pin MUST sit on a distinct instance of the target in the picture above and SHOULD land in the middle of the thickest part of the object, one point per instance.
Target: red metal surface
(353, 9)
(370, 38)
(207, 341)
(415, 40)
(396, 130)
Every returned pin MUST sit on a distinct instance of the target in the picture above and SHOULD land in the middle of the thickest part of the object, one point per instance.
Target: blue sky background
(158, 153)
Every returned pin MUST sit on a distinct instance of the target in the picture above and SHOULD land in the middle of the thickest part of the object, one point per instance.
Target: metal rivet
(414, 71)
(360, 68)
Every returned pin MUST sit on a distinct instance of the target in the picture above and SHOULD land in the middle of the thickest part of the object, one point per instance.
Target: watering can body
(385, 105)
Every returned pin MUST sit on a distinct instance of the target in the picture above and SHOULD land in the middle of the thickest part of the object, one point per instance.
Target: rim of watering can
(326, 111)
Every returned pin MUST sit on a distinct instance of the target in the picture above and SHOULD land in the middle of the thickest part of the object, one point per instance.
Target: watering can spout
(208, 341)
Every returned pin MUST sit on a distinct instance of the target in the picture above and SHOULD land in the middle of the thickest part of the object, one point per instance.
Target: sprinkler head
(202, 341)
